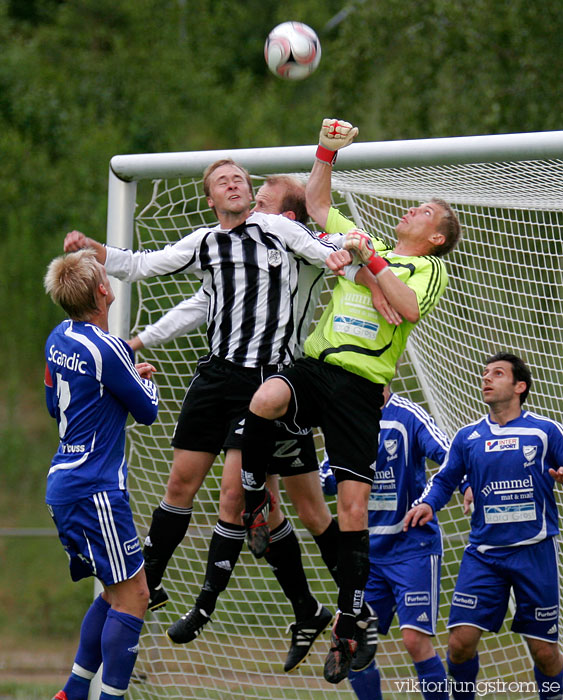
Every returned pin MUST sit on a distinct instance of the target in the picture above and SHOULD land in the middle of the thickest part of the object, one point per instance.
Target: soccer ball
(292, 50)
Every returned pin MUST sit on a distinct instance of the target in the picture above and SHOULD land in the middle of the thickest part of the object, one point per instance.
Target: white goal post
(505, 293)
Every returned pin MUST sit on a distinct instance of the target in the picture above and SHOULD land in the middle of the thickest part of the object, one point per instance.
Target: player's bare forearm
(76, 240)
(135, 343)
(379, 300)
(467, 500)
(399, 295)
(317, 192)
(419, 515)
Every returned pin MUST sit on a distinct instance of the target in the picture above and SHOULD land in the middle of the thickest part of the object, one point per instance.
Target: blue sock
(432, 677)
(464, 676)
(120, 645)
(549, 687)
(89, 655)
(367, 683)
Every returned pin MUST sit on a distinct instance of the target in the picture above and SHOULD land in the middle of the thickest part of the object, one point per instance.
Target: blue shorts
(482, 590)
(410, 588)
(99, 536)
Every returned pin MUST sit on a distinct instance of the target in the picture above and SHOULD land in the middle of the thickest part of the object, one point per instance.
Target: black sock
(284, 556)
(327, 542)
(224, 550)
(257, 448)
(168, 528)
(353, 570)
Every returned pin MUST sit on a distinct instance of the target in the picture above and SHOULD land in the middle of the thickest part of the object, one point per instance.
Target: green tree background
(83, 80)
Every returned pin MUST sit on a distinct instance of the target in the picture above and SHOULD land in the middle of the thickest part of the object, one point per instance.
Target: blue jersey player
(511, 458)
(91, 387)
(404, 575)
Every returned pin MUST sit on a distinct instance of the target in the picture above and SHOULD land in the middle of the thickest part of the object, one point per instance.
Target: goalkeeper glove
(328, 480)
(360, 243)
(334, 134)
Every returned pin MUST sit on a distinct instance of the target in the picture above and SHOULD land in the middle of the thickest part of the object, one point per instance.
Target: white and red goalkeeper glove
(359, 243)
(334, 134)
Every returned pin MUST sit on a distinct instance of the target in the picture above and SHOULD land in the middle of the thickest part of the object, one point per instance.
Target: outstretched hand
(336, 134)
(419, 515)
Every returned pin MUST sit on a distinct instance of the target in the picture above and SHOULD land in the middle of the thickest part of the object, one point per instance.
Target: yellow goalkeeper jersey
(352, 334)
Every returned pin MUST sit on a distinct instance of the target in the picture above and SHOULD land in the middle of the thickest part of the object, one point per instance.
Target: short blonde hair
(71, 281)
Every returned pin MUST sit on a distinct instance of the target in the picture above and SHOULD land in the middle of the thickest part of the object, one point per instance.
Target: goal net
(505, 293)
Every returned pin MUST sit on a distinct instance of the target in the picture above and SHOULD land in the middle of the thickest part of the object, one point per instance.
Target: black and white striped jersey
(249, 275)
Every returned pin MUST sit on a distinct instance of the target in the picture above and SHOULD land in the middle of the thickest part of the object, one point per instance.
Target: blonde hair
(71, 281)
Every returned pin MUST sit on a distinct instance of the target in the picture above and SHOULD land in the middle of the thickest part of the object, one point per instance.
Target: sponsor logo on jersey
(274, 258)
(72, 362)
(355, 326)
(132, 546)
(530, 452)
(417, 598)
(543, 614)
(73, 449)
(501, 445)
(382, 501)
(391, 448)
(508, 486)
(515, 513)
(464, 600)
(474, 435)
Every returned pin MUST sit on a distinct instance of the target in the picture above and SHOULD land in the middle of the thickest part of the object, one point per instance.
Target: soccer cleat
(339, 658)
(256, 524)
(61, 695)
(158, 597)
(303, 634)
(366, 636)
(187, 628)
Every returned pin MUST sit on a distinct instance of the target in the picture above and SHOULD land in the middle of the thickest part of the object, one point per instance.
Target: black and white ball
(292, 50)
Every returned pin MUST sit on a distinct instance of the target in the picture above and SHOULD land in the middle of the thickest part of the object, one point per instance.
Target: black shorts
(345, 406)
(213, 411)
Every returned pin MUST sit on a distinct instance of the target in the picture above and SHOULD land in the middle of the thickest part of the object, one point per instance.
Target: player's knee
(231, 503)
(460, 649)
(316, 520)
(271, 400)
(547, 658)
(418, 645)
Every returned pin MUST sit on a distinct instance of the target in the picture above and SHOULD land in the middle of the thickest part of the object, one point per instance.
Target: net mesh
(504, 294)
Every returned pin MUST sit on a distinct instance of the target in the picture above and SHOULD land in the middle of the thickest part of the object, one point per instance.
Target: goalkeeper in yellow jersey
(338, 386)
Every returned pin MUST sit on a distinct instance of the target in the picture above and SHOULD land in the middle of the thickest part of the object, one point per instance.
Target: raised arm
(75, 240)
(334, 134)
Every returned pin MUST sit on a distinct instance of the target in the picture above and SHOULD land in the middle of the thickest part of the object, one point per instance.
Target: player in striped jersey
(404, 575)
(91, 385)
(280, 194)
(249, 267)
(350, 356)
(512, 458)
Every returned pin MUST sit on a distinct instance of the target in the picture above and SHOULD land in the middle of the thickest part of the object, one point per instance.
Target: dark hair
(294, 195)
(520, 370)
(449, 227)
